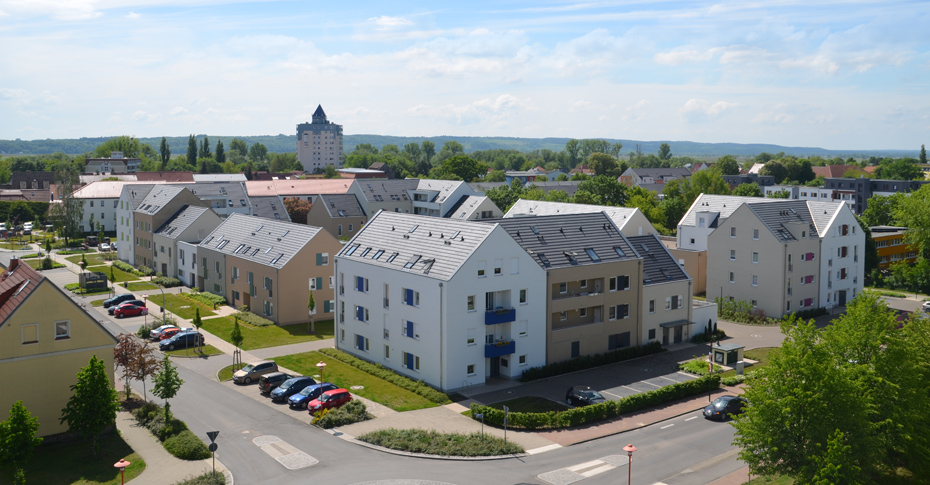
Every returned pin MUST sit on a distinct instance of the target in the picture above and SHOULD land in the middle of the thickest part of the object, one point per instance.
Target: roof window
(413, 261)
(391, 257)
(378, 254)
(571, 257)
(222, 244)
(593, 255)
(352, 249)
(428, 265)
(275, 260)
(619, 251)
(544, 260)
(365, 252)
(414, 228)
(535, 230)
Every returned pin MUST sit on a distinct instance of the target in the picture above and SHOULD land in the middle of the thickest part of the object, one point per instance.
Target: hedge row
(205, 298)
(127, 268)
(377, 370)
(589, 361)
(253, 319)
(442, 444)
(173, 434)
(353, 412)
(167, 281)
(597, 412)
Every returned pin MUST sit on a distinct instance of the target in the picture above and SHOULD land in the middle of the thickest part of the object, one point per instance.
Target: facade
(190, 224)
(630, 220)
(341, 215)
(387, 195)
(160, 205)
(101, 205)
(666, 311)
(890, 245)
(860, 190)
(45, 340)
(131, 196)
(270, 267)
(475, 207)
(319, 143)
(651, 176)
(593, 282)
(693, 261)
(449, 302)
(436, 198)
(116, 163)
(188, 269)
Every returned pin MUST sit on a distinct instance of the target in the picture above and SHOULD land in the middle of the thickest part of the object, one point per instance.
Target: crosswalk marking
(543, 449)
(600, 469)
(588, 469)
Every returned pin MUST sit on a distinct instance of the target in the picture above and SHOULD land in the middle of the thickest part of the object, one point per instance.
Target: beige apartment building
(593, 283)
(667, 294)
(161, 204)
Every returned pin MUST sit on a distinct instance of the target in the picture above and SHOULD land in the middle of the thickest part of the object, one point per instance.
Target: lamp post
(321, 365)
(121, 464)
(629, 449)
(145, 300)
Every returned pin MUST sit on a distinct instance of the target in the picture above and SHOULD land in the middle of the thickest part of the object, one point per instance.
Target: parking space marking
(651, 384)
(667, 426)
(612, 394)
(668, 379)
(285, 454)
(630, 388)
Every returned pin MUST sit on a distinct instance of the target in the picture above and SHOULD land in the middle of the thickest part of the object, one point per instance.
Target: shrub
(76, 251)
(157, 425)
(146, 271)
(47, 263)
(205, 298)
(378, 370)
(698, 366)
(31, 256)
(144, 332)
(813, 313)
(597, 412)
(351, 412)
(589, 361)
(733, 380)
(157, 321)
(253, 319)
(128, 268)
(709, 337)
(443, 444)
(205, 479)
(167, 281)
(742, 312)
(187, 446)
(145, 412)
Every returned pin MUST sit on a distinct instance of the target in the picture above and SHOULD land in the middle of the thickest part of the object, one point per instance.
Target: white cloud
(697, 110)
(144, 116)
(388, 22)
(681, 56)
(133, 15)
(8, 93)
(483, 110)
(595, 52)
(176, 111)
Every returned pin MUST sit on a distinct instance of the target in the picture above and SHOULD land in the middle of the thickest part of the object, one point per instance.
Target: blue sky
(841, 75)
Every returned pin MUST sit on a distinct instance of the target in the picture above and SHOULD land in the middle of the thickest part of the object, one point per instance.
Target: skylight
(592, 254)
(222, 244)
(239, 249)
(268, 250)
(571, 257)
(428, 265)
(619, 252)
(455, 234)
(414, 228)
(413, 261)
(365, 252)
(260, 228)
(391, 257)
(351, 249)
(378, 254)
(545, 260)
(275, 260)
(535, 231)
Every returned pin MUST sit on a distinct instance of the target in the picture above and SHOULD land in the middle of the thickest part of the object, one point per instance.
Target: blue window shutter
(410, 361)
(359, 283)
(326, 306)
(319, 259)
(319, 283)
(361, 313)
(410, 329)
(360, 342)
(409, 297)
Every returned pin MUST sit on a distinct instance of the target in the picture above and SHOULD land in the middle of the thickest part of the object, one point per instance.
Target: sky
(813, 73)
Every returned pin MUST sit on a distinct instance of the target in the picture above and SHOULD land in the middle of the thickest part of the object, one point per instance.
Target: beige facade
(593, 309)
(666, 313)
(693, 261)
(147, 222)
(335, 225)
(44, 343)
(746, 262)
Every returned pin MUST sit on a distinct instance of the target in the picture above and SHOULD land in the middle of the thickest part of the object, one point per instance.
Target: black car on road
(725, 406)
(181, 340)
(290, 387)
(583, 396)
(116, 300)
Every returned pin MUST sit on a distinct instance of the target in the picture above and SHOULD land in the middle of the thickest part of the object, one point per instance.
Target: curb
(351, 439)
(637, 427)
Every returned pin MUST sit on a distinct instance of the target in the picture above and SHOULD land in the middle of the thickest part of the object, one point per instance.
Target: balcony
(500, 348)
(501, 315)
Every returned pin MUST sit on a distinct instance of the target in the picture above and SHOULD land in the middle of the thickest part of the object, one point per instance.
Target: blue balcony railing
(499, 349)
(493, 317)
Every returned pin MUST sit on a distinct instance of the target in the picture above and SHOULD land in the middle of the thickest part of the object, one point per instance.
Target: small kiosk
(727, 354)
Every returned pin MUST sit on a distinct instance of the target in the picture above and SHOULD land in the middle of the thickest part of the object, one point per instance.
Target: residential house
(667, 309)
(224, 198)
(340, 214)
(214, 178)
(30, 180)
(307, 189)
(116, 163)
(388, 195)
(410, 298)
(653, 176)
(131, 196)
(890, 245)
(190, 224)
(474, 207)
(860, 190)
(188, 269)
(593, 284)
(630, 220)
(436, 198)
(270, 207)
(735, 181)
(167, 177)
(160, 205)
(383, 167)
(694, 262)
(263, 264)
(101, 205)
(45, 340)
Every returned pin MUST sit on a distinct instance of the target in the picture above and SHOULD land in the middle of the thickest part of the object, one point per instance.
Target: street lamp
(321, 365)
(145, 321)
(121, 464)
(629, 449)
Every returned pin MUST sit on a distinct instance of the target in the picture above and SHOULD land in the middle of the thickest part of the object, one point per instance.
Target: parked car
(268, 382)
(329, 400)
(309, 393)
(725, 406)
(181, 340)
(130, 302)
(157, 333)
(171, 332)
(113, 246)
(116, 300)
(104, 247)
(926, 306)
(583, 396)
(290, 387)
(128, 310)
(253, 371)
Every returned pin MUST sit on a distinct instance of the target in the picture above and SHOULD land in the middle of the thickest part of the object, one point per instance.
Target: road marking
(651, 384)
(612, 394)
(582, 466)
(667, 426)
(692, 417)
(630, 388)
(668, 379)
(600, 469)
(588, 469)
(543, 449)
(284, 453)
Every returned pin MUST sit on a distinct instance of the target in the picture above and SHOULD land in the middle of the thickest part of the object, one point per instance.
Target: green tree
(93, 404)
(561, 177)
(573, 148)
(239, 146)
(728, 165)
(705, 182)
(235, 337)
(601, 190)
(311, 309)
(205, 148)
(779, 194)
(248, 171)
(167, 384)
(899, 169)
(413, 151)
(197, 322)
(836, 465)
(68, 214)
(257, 152)
(463, 167)
(192, 150)
(220, 152)
(923, 155)
(429, 150)
(881, 210)
(297, 209)
(18, 440)
(165, 151)
(130, 147)
(330, 172)
(748, 190)
(913, 212)
(665, 152)
(776, 170)
(495, 176)
(602, 164)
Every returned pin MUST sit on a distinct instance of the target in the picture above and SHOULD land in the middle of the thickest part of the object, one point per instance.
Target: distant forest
(286, 144)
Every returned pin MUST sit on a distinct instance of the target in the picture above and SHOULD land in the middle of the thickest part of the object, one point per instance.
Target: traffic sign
(212, 447)
(212, 435)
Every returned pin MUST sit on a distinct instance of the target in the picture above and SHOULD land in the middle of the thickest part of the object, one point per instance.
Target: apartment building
(667, 294)
(190, 224)
(159, 205)
(473, 208)
(449, 302)
(890, 245)
(269, 266)
(593, 282)
(630, 220)
(116, 163)
(101, 204)
(340, 214)
(319, 143)
(387, 195)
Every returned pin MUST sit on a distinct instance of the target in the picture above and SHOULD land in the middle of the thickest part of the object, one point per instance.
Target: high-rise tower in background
(319, 143)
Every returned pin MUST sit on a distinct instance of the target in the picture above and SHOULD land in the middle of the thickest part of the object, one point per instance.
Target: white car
(926, 306)
(104, 247)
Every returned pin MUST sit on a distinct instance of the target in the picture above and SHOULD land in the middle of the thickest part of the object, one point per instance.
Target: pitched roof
(567, 240)
(724, 205)
(165, 176)
(264, 241)
(833, 171)
(180, 221)
(659, 266)
(341, 205)
(136, 193)
(523, 208)
(297, 187)
(232, 191)
(776, 216)
(158, 197)
(16, 284)
(444, 188)
(466, 206)
(319, 112)
(105, 190)
(386, 190)
(434, 247)
(269, 207)
(219, 177)
(662, 173)
(87, 178)
(568, 186)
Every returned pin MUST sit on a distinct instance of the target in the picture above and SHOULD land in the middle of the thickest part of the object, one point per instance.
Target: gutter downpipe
(442, 343)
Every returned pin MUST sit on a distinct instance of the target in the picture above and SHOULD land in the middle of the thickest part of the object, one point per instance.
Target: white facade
(124, 226)
(99, 211)
(187, 263)
(842, 261)
(437, 329)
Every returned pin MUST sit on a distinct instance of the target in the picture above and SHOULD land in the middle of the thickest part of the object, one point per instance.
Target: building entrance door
(495, 366)
(678, 333)
(842, 297)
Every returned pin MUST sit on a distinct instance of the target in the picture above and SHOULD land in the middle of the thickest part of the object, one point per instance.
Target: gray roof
(158, 197)
(232, 191)
(724, 205)
(386, 190)
(264, 241)
(823, 213)
(564, 240)
(219, 177)
(466, 206)
(269, 207)
(569, 186)
(181, 221)
(664, 173)
(524, 208)
(658, 264)
(443, 188)
(775, 216)
(426, 241)
(137, 193)
(341, 205)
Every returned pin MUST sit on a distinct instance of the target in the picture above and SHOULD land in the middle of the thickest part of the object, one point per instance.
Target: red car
(170, 332)
(128, 310)
(329, 400)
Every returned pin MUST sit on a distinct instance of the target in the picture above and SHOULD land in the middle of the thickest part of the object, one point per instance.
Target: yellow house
(45, 340)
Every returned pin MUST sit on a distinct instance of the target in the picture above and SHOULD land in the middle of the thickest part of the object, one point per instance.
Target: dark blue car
(290, 387)
(309, 393)
(116, 300)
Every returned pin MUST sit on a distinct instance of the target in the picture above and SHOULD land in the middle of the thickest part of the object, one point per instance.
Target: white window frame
(67, 326)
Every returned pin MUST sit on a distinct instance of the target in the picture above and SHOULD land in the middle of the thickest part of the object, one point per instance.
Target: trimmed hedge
(597, 412)
(187, 446)
(205, 298)
(589, 361)
(377, 370)
(167, 281)
(441, 444)
(205, 479)
(352, 412)
(128, 268)
(75, 251)
(253, 319)
(174, 435)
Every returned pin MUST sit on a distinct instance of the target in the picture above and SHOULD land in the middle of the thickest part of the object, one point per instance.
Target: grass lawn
(73, 463)
(120, 275)
(529, 404)
(772, 480)
(76, 289)
(346, 376)
(98, 303)
(138, 286)
(182, 307)
(14, 245)
(271, 336)
(37, 264)
(93, 259)
(761, 354)
(192, 352)
(226, 373)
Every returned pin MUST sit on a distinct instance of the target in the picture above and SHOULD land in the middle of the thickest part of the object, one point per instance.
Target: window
(563, 316)
(361, 284)
(755, 258)
(498, 267)
(269, 308)
(470, 339)
(411, 361)
(733, 232)
(342, 335)
(754, 303)
(731, 277)
(652, 333)
(361, 343)
(470, 369)
(361, 313)
(470, 305)
(387, 352)
(583, 313)
(563, 288)
(732, 255)
(521, 328)
(755, 234)
(411, 330)
(576, 349)
(619, 312)
(652, 306)
(413, 260)
(411, 298)
(523, 297)
(481, 268)
(322, 259)
(618, 341)
(591, 254)
(505, 362)
(583, 283)
(620, 283)
(30, 333)
(522, 359)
